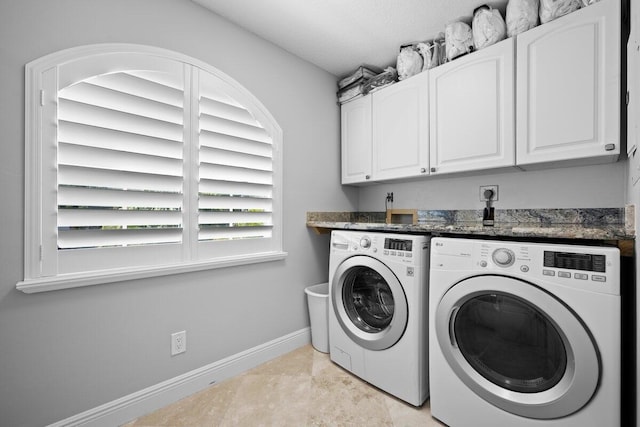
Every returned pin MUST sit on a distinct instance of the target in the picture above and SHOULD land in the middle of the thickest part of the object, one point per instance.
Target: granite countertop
(604, 224)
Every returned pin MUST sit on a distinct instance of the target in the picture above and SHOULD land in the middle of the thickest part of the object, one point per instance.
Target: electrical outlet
(484, 188)
(178, 342)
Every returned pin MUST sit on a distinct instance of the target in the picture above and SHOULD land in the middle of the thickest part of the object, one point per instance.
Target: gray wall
(598, 186)
(65, 352)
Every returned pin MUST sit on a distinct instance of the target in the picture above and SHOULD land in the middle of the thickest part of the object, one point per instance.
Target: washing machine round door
(517, 346)
(369, 302)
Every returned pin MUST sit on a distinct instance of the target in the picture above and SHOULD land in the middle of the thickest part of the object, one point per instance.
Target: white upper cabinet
(472, 111)
(568, 88)
(548, 97)
(401, 129)
(356, 140)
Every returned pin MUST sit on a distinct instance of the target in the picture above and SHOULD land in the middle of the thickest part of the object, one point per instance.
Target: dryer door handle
(452, 332)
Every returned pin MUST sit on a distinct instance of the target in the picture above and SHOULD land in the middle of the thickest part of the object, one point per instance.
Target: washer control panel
(392, 247)
(398, 247)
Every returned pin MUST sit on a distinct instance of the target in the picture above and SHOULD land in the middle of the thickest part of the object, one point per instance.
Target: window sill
(77, 280)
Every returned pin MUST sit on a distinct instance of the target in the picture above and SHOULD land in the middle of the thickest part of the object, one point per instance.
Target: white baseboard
(127, 408)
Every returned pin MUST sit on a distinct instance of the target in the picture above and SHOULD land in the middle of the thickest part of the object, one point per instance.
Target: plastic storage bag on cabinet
(487, 27)
(522, 15)
(383, 79)
(430, 55)
(409, 62)
(441, 48)
(552, 9)
(458, 39)
(586, 3)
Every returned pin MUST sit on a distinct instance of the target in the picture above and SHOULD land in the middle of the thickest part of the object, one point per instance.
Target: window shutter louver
(235, 170)
(120, 165)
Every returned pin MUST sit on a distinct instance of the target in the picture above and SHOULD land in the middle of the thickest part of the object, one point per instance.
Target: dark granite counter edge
(588, 224)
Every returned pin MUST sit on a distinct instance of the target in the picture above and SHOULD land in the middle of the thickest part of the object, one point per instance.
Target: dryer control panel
(575, 261)
(595, 268)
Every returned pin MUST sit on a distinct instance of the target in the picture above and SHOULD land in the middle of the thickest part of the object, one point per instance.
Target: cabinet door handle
(367, 176)
(423, 170)
(609, 147)
(433, 169)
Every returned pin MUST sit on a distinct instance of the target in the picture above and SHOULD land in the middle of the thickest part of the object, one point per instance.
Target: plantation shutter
(120, 160)
(235, 168)
(142, 162)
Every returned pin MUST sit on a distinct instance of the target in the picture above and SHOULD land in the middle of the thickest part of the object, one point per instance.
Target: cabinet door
(472, 111)
(401, 129)
(356, 140)
(568, 88)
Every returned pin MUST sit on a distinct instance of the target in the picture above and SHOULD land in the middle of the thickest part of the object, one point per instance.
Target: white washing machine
(378, 310)
(524, 334)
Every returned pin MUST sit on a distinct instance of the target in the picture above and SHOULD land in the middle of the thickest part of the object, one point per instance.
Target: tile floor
(301, 388)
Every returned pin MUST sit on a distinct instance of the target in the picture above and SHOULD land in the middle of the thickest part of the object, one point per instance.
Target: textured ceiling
(340, 35)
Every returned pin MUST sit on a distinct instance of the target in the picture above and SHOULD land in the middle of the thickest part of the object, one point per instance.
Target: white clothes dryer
(378, 302)
(524, 334)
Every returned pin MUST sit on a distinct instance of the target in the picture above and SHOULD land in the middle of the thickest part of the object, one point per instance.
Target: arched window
(142, 161)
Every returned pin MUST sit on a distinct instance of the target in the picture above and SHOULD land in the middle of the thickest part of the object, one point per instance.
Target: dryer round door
(369, 302)
(517, 346)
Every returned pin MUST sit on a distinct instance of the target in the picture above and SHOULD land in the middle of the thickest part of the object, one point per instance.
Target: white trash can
(318, 302)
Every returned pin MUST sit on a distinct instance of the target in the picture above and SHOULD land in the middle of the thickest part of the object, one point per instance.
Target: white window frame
(40, 268)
